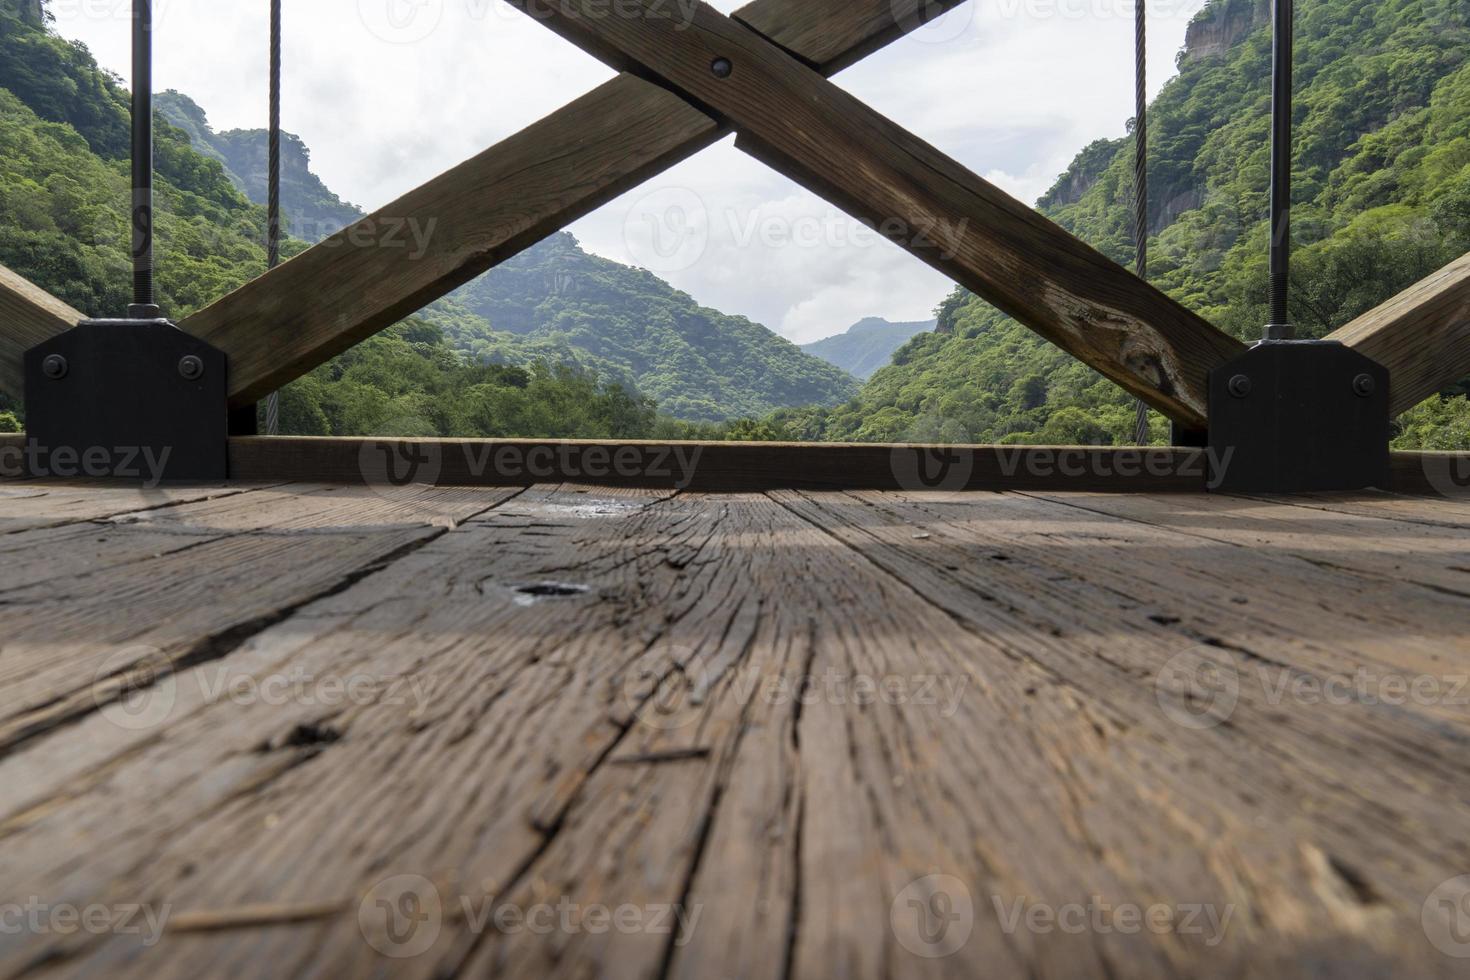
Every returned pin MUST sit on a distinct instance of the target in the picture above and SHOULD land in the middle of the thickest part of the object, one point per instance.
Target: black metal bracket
(129, 399)
(1293, 416)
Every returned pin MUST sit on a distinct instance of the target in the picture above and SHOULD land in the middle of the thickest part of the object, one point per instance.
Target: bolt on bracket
(1290, 416)
(108, 394)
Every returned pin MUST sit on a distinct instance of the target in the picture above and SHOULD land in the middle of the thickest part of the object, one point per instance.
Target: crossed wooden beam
(762, 73)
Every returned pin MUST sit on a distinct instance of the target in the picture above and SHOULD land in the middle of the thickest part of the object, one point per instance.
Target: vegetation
(311, 211)
(697, 363)
(571, 366)
(867, 345)
(560, 343)
(1382, 198)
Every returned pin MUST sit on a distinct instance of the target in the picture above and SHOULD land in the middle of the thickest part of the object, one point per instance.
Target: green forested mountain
(558, 304)
(1382, 198)
(559, 343)
(695, 362)
(867, 345)
(311, 212)
(572, 364)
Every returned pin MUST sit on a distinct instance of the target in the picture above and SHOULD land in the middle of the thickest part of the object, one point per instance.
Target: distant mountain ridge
(867, 345)
(556, 302)
(311, 210)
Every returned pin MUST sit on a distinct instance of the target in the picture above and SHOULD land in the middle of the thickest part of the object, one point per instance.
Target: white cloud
(388, 93)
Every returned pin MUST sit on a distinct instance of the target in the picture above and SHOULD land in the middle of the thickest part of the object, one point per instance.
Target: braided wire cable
(1140, 175)
(273, 193)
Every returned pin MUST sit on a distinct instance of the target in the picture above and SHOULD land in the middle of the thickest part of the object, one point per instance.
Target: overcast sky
(388, 93)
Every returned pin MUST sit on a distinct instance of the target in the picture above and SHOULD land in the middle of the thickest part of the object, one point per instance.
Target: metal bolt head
(54, 367)
(1240, 386)
(722, 67)
(191, 368)
(1364, 385)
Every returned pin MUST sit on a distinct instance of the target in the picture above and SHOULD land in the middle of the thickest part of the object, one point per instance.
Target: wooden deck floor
(305, 730)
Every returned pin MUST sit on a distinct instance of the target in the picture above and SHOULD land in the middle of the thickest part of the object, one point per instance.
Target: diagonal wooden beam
(487, 209)
(28, 316)
(830, 142)
(1422, 335)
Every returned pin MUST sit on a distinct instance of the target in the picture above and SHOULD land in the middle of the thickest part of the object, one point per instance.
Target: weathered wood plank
(93, 624)
(830, 142)
(1435, 556)
(487, 209)
(28, 316)
(1422, 335)
(1434, 511)
(830, 35)
(608, 747)
(718, 466)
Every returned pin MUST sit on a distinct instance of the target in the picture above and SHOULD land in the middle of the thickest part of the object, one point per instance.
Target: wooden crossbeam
(1422, 335)
(833, 144)
(28, 316)
(487, 209)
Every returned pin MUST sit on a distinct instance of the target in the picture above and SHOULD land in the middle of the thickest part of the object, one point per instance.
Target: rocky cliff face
(30, 11)
(1221, 26)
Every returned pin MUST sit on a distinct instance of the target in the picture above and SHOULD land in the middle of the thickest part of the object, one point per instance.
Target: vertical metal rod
(142, 212)
(273, 192)
(1140, 176)
(1279, 328)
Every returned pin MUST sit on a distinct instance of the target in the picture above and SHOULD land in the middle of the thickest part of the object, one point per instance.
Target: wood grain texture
(829, 35)
(214, 566)
(489, 208)
(717, 466)
(830, 142)
(28, 316)
(482, 212)
(664, 730)
(1422, 335)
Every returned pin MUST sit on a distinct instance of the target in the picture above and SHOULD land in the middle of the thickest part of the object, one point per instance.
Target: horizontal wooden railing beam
(28, 316)
(814, 132)
(716, 466)
(1422, 335)
(365, 278)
